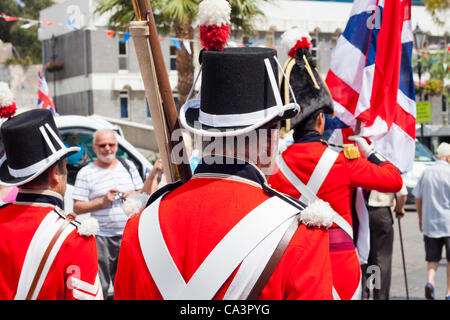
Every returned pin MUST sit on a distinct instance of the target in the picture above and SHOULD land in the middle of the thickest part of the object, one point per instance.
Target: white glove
(365, 148)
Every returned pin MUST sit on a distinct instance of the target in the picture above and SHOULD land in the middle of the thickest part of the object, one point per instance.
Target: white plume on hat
(290, 37)
(6, 96)
(443, 150)
(7, 102)
(213, 12)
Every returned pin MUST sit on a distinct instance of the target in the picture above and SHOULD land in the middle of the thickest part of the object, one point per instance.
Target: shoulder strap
(273, 261)
(41, 252)
(318, 176)
(308, 192)
(127, 167)
(39, 271)
(322, 169)
(235, 246)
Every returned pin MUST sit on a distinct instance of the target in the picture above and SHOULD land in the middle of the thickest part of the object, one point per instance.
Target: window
(124, 99)
(149, 115)
(173, 58)
(175, 99)
(123, 56)
(314, 49)
(422, 153)
(270, 37)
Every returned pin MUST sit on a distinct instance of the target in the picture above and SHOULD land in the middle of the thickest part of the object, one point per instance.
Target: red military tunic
(337, 190)
(73, 274)
(197, 215)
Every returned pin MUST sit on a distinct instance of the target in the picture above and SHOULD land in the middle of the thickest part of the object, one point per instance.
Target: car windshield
(82, 138)
(423, 153)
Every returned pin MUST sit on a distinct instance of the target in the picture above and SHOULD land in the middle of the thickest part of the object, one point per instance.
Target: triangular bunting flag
(8, 18)
(177, 44)
(187, 45)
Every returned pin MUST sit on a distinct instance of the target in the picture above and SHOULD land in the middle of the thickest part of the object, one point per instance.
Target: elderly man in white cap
(432, 195)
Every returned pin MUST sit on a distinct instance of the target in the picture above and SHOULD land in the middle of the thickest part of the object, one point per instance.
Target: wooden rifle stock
(158, 90)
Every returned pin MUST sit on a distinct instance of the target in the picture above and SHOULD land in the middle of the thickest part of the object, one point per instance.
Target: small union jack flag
(44, 99)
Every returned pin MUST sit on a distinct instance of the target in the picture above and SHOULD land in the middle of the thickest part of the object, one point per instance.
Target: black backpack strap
(127, 167)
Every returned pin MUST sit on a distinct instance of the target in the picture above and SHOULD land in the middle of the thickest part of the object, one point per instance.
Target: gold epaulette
(351, 151)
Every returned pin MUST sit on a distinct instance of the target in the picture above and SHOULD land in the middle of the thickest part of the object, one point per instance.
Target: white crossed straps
(37, 248)
(262, 228)
(309, 192)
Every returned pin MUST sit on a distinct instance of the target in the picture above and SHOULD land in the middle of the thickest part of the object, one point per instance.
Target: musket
(157, 90)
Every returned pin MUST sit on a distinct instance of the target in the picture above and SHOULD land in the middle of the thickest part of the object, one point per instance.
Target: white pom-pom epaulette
(88, 227)
(6, 96)
(290, 37)
(135, 203)
(213, 12)
(318, 214)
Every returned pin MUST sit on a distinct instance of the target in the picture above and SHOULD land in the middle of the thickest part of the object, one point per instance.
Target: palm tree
(436, 9)
(178, 16)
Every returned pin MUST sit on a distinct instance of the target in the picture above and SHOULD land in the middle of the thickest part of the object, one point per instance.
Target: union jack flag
(371, 77)
(44, 99)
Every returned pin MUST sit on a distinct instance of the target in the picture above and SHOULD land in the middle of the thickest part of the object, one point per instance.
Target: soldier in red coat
(214, 236)
(45, 254)
(311, 171)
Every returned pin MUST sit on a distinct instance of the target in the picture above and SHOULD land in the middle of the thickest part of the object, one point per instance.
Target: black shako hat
(32, 144)
(300, 72)
(239, 93)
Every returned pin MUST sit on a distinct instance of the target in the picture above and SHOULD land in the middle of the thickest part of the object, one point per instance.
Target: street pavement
(416, 269)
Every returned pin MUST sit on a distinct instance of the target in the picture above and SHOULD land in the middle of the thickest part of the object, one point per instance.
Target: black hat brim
(190, 114)
(6, 179)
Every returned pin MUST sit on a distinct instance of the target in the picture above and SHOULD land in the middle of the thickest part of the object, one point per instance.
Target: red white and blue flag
(44, 99)
(371, 77)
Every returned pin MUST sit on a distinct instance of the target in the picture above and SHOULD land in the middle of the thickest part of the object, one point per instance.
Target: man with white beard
(100, 188)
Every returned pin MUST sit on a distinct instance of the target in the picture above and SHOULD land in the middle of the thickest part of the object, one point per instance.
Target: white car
(82, 128)
(423, 158)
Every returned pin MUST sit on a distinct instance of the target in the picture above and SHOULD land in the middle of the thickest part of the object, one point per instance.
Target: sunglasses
(103, 145)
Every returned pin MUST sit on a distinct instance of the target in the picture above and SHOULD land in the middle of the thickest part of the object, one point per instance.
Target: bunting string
(179, 43)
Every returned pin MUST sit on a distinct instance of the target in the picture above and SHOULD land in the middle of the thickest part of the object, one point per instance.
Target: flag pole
(357, 127)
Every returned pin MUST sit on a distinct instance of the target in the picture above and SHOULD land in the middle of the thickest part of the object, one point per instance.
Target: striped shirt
(93, 182)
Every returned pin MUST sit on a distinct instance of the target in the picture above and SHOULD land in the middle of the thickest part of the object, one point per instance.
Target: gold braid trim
(287, 68)
(350, 150)
(311, 74)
